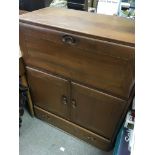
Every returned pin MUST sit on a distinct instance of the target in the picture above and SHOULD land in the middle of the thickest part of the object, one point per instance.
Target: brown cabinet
(77, 103)
(80, 70)
(82, 59)
(49, 92)
(95, 110)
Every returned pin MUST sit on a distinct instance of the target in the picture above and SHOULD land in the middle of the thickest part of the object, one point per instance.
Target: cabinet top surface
(104, 27)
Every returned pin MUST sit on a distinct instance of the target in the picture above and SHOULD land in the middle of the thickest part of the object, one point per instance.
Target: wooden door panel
(95, 110)
(45, 49)
(49, 92)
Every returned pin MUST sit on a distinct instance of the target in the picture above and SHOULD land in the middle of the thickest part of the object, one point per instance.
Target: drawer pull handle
(68, 39)
(64, 100)
(74, 105)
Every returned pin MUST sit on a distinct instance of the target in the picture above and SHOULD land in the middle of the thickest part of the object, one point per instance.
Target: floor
(40, 138)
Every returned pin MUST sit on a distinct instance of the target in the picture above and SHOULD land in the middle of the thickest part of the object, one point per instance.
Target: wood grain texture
(82, 59)
(89, 61)
(49, 92)
(109, 28)
(95, 110)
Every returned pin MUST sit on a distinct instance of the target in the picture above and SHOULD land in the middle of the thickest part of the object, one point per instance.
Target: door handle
(74, 105)
(64, 100)
(68, 39)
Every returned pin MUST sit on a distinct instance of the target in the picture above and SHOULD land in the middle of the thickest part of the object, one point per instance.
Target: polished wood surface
(76, 103)
(23, 77)
(81, 60)
(95, 110)
(49, 92)
(108, 28)
(80, 70)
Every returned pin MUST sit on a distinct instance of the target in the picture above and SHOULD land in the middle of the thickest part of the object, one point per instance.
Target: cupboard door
(95, 110)
(49, 92)
(81, 59)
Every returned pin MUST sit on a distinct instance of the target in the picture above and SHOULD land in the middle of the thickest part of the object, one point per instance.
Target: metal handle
(68, 39)
(64, 100)
(74, 105)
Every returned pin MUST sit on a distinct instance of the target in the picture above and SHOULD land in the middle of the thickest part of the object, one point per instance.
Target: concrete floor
(40, 138)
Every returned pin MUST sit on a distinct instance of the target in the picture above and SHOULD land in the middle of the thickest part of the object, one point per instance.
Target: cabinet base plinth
(74, 129)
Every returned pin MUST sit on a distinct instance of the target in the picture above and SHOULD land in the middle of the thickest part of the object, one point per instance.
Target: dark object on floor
(31, 5)
(78, 5)
(22, 101)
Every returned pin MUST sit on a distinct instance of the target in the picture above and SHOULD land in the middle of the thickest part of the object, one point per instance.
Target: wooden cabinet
(77, 103)
(80, 70)
(80, 60)
(95, 110)
(49, 92)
